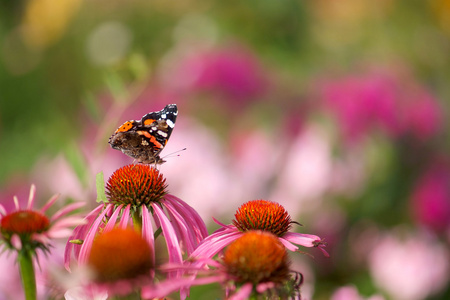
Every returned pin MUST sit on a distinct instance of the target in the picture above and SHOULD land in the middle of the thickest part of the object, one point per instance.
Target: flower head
(136, 185)
(138, 197)
(120, 254)
(262, 215)
(119, 261)
(257, 257)
(28, 229)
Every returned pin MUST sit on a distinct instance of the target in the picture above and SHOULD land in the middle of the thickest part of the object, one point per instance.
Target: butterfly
(144, 139)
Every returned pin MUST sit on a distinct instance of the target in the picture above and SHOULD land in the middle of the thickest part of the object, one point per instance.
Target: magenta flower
(383, 101)
(430, 200)
(137, 195)
(232, 72)
(257, 215)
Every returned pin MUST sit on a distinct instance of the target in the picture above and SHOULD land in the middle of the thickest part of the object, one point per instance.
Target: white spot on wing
(162, 133)
(170, 123)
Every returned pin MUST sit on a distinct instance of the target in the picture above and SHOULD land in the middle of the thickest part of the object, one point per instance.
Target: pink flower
(120, 260)
(382, 100)
(32, 228)
(254, 265)
(26, 230)
(232, 72)
(257, 215)
(409, 266)
(351, 293)
(137, 195)
(431, 197)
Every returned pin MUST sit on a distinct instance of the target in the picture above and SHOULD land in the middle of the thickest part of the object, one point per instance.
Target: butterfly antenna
(174, 154)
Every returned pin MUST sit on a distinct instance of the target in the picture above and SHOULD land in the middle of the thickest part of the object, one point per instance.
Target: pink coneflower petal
(69, 222)
(243, 293)
(189, 214)
(67, 209)
(31, 197)
(16, 203)
(112, 220)
(78, 232)
(2, 211)
(288, 245)
(49, 203)
(214, 243)
(173, 246)
(87, 243)
(60, 233)
(306, 240)
(262, 287)
(180, 227)
(147, 230)
(230, 226)
(125, 217)
(16, 242)
(162, 289)
(191, 234)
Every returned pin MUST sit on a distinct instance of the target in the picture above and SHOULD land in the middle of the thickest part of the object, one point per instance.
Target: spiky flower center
(263, 215)
(256, 257)
(135, 184)
(120, 254)
(24, 222)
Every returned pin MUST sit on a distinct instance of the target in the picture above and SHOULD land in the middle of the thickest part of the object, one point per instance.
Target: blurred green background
(336, 109)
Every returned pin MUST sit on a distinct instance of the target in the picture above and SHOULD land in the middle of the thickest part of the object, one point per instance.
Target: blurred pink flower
(63, 177)
(381, 100)
(306, 172)
(26, 226)
(350, 292)
(233, 72)
(411, 266)
(430, 200)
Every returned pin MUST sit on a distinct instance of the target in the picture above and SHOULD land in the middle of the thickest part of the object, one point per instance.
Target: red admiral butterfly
(143, 140)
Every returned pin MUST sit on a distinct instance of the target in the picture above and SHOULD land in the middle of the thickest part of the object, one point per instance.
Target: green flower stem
(25, 259)
(137, 220)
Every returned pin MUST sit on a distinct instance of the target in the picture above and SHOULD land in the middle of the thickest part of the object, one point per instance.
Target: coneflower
(27, 230)
(137, 198)
(258, 215)
(254, 266)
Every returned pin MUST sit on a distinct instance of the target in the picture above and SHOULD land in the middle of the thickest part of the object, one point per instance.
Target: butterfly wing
(145, 139)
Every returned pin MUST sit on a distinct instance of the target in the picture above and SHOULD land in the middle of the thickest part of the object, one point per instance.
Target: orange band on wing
(151, 138)
(149, 121)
